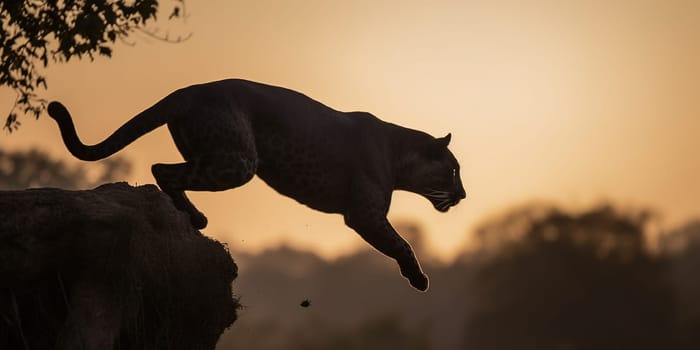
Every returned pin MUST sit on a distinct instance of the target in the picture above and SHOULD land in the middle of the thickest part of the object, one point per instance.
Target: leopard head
(433, 172)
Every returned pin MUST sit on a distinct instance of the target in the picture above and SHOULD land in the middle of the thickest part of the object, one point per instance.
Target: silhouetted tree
(571, 281)
(682, 249)
(35, 32)
(33, 168)
(682, 238)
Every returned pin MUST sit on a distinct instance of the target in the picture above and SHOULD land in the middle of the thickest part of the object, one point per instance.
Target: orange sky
(567, 101)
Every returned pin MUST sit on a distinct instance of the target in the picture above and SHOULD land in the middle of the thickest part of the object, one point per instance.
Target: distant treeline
(541, 278)
(36, 168)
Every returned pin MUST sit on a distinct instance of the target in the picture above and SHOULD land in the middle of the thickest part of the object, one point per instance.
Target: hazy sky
(567, 101)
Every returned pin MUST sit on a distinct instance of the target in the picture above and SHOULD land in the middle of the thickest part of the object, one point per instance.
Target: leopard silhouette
(336, 162)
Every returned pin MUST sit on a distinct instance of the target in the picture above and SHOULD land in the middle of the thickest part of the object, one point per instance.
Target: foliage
(33, 168)
(36, 32)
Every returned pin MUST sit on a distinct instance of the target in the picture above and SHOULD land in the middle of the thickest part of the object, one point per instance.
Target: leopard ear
(444, 141)
(438, 146)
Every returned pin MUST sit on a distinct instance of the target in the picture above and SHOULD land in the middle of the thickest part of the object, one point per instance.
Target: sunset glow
(574, 103)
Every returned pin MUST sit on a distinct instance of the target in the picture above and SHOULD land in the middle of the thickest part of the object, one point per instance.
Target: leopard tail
(138, 126)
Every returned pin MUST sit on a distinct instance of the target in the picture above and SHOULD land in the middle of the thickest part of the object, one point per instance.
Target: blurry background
(576, 124)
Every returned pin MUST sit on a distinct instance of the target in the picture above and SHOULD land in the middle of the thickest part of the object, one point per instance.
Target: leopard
(346, 163)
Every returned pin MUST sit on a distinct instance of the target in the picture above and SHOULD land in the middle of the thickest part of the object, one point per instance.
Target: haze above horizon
(572, 102)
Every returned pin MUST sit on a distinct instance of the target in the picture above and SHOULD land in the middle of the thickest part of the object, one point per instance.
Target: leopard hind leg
(213, 172)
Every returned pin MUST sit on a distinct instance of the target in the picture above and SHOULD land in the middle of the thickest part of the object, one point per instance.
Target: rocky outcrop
(117, 267)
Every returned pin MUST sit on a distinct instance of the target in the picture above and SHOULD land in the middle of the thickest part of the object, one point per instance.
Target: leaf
(175, 13)
(10, 122)
(41, 81)
(105, 51)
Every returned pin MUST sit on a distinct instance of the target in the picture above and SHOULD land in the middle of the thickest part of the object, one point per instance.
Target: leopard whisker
(437, 197)
(444, 205)
(433, 191)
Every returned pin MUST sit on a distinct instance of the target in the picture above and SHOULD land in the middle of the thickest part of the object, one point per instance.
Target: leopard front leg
(370, 222)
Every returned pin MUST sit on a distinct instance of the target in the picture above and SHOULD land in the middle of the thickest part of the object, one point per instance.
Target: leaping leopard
(335, 162)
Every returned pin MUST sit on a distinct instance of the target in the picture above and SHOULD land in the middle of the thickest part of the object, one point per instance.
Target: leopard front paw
(416, 278)
(419, 282)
